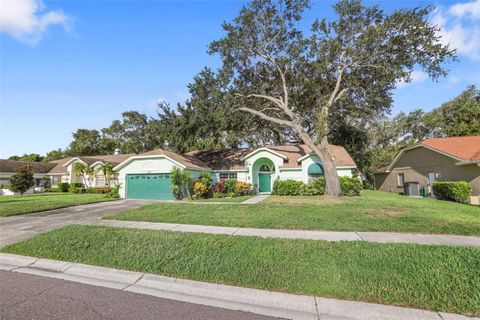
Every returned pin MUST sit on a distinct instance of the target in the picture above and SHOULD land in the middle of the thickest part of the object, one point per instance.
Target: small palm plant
(107, 170)
(80, 170)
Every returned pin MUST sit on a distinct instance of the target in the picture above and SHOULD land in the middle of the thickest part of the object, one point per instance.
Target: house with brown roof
(147, 175)
(436, 159)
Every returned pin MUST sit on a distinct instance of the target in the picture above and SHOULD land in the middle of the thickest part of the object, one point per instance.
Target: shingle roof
(232, 159)
(37, 167)
(187, 160)
(467, 148)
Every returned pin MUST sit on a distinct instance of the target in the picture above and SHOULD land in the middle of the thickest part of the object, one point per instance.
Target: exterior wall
(416, 163)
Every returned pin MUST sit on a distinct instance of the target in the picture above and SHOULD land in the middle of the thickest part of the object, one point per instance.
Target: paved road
(24, 296)
(16, 228)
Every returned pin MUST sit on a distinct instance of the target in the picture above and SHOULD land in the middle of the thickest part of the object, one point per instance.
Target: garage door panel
(149, 186)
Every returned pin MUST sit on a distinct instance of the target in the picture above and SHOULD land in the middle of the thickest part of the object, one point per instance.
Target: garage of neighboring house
(148, 175)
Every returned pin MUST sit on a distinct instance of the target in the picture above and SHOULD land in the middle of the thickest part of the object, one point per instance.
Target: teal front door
(149, 186)
(264, 182)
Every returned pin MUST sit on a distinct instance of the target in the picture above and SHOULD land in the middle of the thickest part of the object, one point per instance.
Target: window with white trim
(400, 179)
(228, 175)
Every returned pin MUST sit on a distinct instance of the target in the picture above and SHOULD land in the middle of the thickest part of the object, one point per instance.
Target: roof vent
(117, 152)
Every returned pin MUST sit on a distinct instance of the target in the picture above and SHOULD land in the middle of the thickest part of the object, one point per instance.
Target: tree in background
(22, 179)
(54, 155)
(346, 69)
(85, 143)
(27, 157)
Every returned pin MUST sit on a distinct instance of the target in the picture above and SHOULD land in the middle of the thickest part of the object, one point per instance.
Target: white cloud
(459, 27)
(27, 20)
(466, 9)
(416, 76)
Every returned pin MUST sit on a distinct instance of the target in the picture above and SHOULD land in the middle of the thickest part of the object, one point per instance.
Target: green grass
(439, 278)
(373, 211)
(230, 199)
(16, 205)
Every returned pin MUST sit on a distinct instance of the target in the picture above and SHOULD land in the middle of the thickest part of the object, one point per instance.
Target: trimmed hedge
(458, 191)
(51, 190)
(99, 190)
(349, 186)
(63, 186)
(74, 185)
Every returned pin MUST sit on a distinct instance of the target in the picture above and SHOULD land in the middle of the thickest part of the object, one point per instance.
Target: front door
(264, 182)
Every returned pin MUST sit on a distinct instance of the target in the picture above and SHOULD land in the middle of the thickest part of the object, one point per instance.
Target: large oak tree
(343, 71)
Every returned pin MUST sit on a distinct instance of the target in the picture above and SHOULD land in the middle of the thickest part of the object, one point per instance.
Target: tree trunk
(330, 172)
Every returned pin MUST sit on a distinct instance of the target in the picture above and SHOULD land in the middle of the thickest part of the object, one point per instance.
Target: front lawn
(373, 211)
(15, 205)
(439, 278)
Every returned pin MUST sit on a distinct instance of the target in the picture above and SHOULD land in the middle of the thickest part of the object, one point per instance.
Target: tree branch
(269, 118)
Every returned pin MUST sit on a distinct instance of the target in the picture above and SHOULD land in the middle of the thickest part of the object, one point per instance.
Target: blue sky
(79, 64)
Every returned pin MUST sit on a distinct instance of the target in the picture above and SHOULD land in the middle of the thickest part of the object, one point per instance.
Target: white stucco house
(147, 175)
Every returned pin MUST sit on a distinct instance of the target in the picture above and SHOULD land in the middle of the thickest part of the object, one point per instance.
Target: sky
(79, 64)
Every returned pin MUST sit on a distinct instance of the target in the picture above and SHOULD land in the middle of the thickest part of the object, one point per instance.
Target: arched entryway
(263, 169)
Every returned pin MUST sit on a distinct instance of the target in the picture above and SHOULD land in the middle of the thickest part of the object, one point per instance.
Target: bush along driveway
(429, 277)
(373, 211)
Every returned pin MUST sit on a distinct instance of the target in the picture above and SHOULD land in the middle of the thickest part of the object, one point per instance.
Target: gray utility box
(411, 189)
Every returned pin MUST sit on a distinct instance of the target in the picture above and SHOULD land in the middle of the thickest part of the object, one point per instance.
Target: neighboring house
(436, 159)
(147, 175)
(8, 168)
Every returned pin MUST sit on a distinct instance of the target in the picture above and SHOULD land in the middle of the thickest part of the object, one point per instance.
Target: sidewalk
(379, 237)
(263, 302)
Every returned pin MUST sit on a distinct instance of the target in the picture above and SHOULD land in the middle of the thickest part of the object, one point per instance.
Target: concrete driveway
(16, 228)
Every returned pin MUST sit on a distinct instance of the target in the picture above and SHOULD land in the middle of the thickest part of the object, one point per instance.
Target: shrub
(218, 195)
(102, 190)
(51, 190)
(287, 187)
(350, 186)
(200, 189)
(74, 185)
(181, 179)
(219, 187)
(62, 187)
(242, 188)
(114, 192)
(78, 190)
(319, 185)
(230, 185)
(458, 191)
(177, 193)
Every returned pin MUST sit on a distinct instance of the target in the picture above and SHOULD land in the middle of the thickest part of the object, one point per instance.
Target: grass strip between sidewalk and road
(373, 211)
(438, 278)
(17, 205)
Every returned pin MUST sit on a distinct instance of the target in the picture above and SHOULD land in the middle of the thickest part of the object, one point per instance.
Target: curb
(263, 302)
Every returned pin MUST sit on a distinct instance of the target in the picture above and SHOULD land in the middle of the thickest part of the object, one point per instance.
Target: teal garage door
(149, 186)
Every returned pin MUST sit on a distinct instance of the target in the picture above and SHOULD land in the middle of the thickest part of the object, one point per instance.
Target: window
(315, 171)
(400, 179)
(56, 180)
(228, 175)
(264, 168)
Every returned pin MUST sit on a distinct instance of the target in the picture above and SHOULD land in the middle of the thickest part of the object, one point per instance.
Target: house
(436, 159)
(147, 175)
(8, 168)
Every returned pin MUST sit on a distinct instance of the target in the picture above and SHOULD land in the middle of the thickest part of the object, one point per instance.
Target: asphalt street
(24, 296)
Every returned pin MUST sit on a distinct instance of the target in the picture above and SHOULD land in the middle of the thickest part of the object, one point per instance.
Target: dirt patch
(386, 212)
(302, 200)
